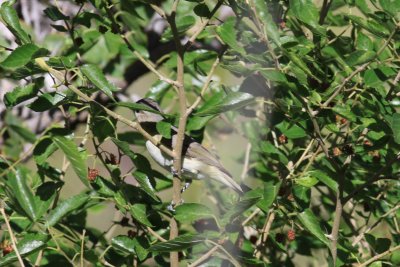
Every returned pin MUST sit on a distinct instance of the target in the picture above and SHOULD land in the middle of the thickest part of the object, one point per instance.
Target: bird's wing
(197, 151)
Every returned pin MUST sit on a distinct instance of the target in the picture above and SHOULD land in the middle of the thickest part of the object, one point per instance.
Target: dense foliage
(315, 98)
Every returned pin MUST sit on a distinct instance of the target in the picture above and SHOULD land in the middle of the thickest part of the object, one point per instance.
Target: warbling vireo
(198, 162)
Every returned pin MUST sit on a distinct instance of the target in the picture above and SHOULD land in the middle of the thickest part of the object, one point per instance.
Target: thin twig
(11, 233)
(246, 162)
(82, 246)
(204, 88)
(377, 257)
(204, 257)
(264, 233)
(155, 234)
(202, 26)
(361, 235)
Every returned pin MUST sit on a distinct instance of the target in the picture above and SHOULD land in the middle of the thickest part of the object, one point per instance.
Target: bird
(198, 163)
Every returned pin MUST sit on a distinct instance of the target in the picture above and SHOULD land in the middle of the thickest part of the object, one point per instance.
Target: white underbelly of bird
(194, 168)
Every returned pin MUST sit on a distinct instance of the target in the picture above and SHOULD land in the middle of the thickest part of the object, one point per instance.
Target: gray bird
(198, 162)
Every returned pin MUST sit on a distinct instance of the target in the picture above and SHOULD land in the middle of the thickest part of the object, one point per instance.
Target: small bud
(291, 235)
(282, 139)
(337, 152)
(92, 174)
(367, 143)
(7, 249)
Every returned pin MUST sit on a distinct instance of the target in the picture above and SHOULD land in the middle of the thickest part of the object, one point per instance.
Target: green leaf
(239, 207)
(370, 25)
(23, 93)
(345, 112)
(164, 128)
(45, 195)
(301, 64)
(182, 24)
(96, 76)
(47, 101)
(218, 104)
(360, 57)
(269, 195)
(311, 223)
(43, 150)
(124, 244)
(392, 7)
(227, 32)
(138, 106)
(202, 10)
(21, 56)
(78, 162)
(396, 127)
(145, 184)
(307, 181)
(269, 25)
(325, 179)
(189, 212)
(65, 207)
(28, 245)
(104, 187)
(139, 213)
(177, 244)
(11, 20)
(306, 11)
(54, 14)
(22, 193)
(23, 132)
(302, 195)
(124, 146)
(273, 75)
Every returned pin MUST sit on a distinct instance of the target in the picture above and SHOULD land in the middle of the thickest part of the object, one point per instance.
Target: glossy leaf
(269, 25)
(227, 32)
(54, 14)
(43, 150)
(306, 11)
(28, 245)
(178, 244)
(66, 207)
(307, 181)
(23, 93)
(104, 187)
(145, 184)
(47, 101)
(269, 195)
(396, 127)
(10, 18)
(164, 128)
(21, 56)
(232, 101)
(70, 149)
(139, 213)
(96, 76)
(138, 106)
(124, 243)
(189, 212)
(370, 25)
(311, 223)
(22, 193)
